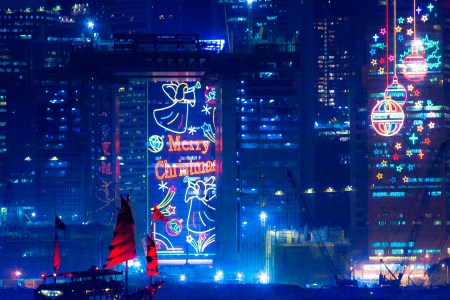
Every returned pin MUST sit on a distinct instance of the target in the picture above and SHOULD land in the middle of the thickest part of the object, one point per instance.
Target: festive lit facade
(408, 179)
(182, 167)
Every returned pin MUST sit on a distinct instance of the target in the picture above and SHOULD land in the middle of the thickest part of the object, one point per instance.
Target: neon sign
(387, 117)
(414, 67)
(181, 165)
(397, 92)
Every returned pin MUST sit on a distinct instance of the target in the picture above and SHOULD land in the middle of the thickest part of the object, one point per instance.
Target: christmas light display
(181, 166)
(414, 67)
(408, 124)
(396, 92)
(387, 117)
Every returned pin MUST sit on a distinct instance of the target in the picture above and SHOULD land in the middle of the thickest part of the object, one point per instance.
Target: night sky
(21, 3)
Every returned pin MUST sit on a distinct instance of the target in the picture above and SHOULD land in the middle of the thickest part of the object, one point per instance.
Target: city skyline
(249, 124)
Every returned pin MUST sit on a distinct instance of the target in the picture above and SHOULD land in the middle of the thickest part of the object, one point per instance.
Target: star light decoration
(192, 129)
(430, 50)
(413, 138)
(163, 186)
(206, 109)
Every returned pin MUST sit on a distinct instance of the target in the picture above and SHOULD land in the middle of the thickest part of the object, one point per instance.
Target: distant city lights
(239, 276)
(219, 276)
(263, 278)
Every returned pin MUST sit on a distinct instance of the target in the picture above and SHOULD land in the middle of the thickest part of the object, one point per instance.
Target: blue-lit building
(21, 30)
(408, 137)
(246, 23)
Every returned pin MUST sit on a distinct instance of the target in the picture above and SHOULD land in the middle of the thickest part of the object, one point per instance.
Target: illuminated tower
(408, 136)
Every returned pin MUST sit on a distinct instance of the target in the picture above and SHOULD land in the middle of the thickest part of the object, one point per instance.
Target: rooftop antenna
(230, 46)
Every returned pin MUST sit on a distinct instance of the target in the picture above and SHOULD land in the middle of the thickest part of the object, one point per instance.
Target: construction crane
(395, 279)
(341, 280)
(420, 216)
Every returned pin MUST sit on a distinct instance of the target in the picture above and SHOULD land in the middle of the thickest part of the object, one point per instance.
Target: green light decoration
(431, 48)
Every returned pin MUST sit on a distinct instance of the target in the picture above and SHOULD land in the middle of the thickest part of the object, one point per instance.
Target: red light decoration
(414, 67)
(397, 92)
(387, 117)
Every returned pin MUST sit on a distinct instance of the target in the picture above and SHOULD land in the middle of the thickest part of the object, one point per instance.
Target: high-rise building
(339, 94)
(408, 137)
(247, 23)
(21, 30)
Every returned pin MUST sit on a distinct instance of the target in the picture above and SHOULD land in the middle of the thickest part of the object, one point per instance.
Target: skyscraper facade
(339, 97)
(247, 23)
(408, 136)
(21, 31)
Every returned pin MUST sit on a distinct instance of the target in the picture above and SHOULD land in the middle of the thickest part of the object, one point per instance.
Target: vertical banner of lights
(105, 188)
(181, 168)
(407, 117)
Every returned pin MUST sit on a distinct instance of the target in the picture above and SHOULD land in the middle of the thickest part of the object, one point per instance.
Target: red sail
(123, 245)
(158, 215)
(56, 257)
(151, 257)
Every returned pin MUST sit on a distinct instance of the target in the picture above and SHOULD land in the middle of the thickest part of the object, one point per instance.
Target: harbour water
(217, 291)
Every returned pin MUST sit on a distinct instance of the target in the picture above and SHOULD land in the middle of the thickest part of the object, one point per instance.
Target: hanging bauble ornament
(387, 117)
(414, 67)
(396, 91)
